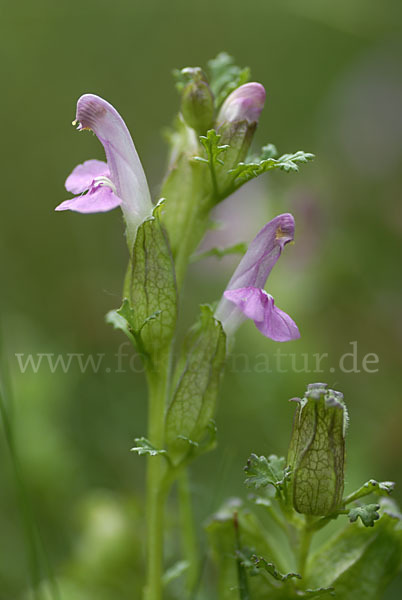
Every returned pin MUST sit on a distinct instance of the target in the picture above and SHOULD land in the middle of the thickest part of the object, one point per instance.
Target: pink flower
(119, 182)
(245, 297)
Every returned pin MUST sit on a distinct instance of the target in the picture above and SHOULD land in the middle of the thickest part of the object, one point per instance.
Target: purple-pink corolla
(121, 180)
(244, 104)
(245, 297)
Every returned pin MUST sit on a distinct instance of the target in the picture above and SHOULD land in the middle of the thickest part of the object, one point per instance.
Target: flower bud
(316, 452)
(237, 120)
(197, 104)
(244, 104)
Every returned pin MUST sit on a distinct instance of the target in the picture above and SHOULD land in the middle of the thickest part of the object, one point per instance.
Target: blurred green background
(333, 76)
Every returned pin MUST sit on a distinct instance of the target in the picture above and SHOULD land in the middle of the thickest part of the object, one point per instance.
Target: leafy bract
(148, 315)
(153, 295)
(196, 385)
(244, 172)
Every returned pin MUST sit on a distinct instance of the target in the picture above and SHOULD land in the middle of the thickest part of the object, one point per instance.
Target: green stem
(306, 535)
(196, 226)
(156, 490)
(189, 540)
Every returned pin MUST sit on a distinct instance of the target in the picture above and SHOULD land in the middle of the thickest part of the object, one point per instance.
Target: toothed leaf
(225, 76)
(368, 514)
(264, 471)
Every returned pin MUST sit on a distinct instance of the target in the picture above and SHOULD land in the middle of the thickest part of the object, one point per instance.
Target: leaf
(264, 471)
(240, 248)
(144, 446)
(368, 513)
(225, 76)
(196, 384)
(359, 562)
(244, 172)
(318, 592)
(261, 563)
(212, 148)
(152, 310)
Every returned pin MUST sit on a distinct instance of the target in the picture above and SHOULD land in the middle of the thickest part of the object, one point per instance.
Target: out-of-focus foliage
(333, 77)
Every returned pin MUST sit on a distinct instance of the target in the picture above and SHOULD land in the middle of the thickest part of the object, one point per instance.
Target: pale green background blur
(333, 76)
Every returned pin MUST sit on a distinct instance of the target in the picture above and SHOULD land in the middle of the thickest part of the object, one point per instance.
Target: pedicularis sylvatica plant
(258, 556)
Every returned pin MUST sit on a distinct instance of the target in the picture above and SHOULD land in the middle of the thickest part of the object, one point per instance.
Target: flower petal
(125, 167)
(101, 199)
(250, 300)
(259, 306)
(255, 266)
(81, 178)
(277, 325)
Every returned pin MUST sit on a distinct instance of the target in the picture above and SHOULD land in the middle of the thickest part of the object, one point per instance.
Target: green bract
(197, 103)
(196, 384)
(152, 288)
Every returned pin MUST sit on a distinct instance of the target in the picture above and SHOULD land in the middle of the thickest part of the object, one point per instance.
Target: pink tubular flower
(245, 297)
(119, 182)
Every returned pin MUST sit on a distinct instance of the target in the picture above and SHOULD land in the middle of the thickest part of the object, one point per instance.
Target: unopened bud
(316, 453)
(244, 104)
(237, 120)
(197, 105)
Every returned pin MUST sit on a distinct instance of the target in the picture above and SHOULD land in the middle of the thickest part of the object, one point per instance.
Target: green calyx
(197, 102)
(316, 453)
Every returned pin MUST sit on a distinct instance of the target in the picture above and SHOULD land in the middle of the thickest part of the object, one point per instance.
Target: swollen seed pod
(316, 454)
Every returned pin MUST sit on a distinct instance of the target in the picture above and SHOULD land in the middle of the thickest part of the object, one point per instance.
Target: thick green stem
(189, 540)
(306, 535)
(156, 490)
(194, 232)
